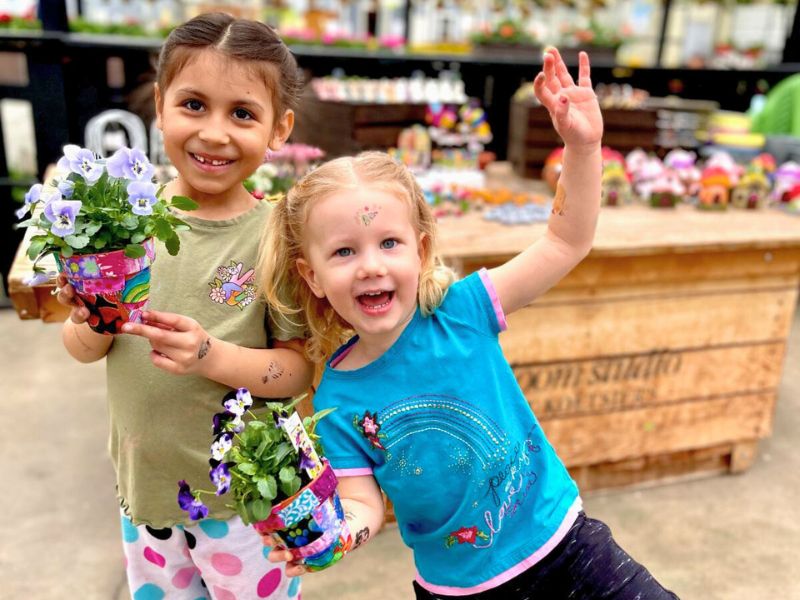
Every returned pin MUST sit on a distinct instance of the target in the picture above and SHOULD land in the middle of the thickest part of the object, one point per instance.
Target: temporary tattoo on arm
(367, 214)
(204, 348)
(560, 200)
(274, 371)
(361, 537)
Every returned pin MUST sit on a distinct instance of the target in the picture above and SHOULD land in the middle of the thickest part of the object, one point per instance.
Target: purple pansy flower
(81, 161)
(280, 420)
(221, 446)
(221, 477)
(236, 424)
(32, 196)
(62, 213)
(130, 163)
(306, 462)
(238, 405)
(186, 500)
(66, 187)
(39, 278)
(220, 422)
(142, 196)
(226, 421)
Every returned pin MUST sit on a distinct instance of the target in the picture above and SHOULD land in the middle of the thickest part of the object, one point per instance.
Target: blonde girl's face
(217, 119)
(362, 253)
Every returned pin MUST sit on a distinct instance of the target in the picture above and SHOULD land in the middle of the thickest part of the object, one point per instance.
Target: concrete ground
(719, 538)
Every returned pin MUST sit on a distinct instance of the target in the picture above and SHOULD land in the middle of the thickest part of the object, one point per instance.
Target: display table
(660, 355)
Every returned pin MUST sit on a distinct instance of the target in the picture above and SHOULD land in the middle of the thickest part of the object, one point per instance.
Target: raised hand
(180, 345)
(573, 108)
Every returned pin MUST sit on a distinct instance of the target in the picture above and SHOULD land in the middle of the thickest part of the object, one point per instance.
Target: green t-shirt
(161, 424)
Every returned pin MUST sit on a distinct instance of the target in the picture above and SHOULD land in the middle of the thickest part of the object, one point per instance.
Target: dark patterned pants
(586, 564)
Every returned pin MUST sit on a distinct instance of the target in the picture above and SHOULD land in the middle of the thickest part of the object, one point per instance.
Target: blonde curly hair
(282, 244)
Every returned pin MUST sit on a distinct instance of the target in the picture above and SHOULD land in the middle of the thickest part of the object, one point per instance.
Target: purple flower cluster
(81, 164)
(225, 425)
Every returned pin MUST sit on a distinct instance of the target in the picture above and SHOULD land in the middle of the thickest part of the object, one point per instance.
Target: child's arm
(363, 506)
(576, 117)
(181, 346)
(81, 342)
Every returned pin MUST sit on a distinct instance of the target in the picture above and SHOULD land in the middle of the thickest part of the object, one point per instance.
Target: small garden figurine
(715, 186)
(752, 191)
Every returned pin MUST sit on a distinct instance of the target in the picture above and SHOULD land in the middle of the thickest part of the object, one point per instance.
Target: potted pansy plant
(100, 219)
(272, 466)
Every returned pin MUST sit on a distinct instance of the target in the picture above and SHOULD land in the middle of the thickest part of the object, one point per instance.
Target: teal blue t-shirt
(441, 423)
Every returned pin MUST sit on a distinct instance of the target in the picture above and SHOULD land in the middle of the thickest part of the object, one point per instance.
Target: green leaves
(36, 246)
(105, 220)
(267, 487)
(173, 244)
(183, 203)
(263, 465)
(77, 241)
(134, 251)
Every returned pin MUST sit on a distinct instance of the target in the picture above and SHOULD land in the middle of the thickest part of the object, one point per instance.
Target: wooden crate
(531, 136)
(660, 355)
(347, 128)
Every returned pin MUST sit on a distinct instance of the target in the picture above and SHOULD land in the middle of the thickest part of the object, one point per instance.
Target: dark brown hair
(239, 39)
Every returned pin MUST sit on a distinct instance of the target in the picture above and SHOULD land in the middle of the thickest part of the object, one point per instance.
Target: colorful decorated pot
(311, 523)
(114, 287)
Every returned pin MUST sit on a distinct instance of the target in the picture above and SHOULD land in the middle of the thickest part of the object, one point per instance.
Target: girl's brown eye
(242, 114)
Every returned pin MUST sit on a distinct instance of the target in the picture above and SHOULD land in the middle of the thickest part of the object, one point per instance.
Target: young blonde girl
(225, 93)
(428, 409)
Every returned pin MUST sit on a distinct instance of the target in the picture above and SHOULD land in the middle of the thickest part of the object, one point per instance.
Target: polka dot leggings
(218, 560)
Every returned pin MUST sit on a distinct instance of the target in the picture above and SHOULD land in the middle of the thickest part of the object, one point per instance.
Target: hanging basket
(311, 524)
(114, 287)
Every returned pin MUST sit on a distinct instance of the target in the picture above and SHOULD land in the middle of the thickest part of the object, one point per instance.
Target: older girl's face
(217, 119)
(362, 253)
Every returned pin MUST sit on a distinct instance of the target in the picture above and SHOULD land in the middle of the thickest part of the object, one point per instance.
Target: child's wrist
(587, 149)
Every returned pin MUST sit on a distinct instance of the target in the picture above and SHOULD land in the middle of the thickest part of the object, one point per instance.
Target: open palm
(573, 107)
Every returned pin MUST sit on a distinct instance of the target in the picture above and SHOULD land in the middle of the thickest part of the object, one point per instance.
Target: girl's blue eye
(242, 114)
(388, 244)
(344, 252)
(193, 105)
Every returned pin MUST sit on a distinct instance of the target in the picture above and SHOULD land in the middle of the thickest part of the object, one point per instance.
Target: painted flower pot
(114, 287)
(311, 523)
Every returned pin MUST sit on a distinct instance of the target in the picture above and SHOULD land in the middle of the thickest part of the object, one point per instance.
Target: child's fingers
(157, 335)
(295, 569)
(550, 78)
(79, 314)
(166, 320)
(544, 95)
(561, 69)
(584, 70)
(277, 555)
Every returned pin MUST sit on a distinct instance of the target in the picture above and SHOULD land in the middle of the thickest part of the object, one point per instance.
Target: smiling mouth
(214, 162)
(375, 300)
